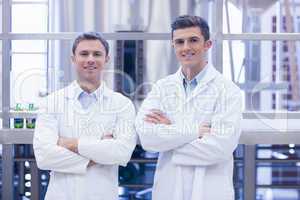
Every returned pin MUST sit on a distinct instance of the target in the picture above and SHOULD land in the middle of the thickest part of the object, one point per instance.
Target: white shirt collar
(75, 90)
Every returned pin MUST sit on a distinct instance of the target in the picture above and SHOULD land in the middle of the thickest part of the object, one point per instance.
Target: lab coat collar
(209, 75)
(74, 90)
(198, 77)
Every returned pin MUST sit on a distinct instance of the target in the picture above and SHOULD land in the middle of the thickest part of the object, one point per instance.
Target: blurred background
(256, 44)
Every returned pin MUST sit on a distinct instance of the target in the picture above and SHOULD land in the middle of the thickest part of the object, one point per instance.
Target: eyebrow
(99, 51)
(193, 37)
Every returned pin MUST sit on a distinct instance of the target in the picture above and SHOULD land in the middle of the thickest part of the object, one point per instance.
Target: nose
(186, 44)
(91, 58)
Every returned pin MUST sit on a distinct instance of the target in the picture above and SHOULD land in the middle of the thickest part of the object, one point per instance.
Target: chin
(189, 65)
(90, 77)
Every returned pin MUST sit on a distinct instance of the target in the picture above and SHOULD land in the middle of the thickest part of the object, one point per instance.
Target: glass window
(238, 177)
(1, 77)
(29, 1)
(273, 193)
(29, 18)
(1, 21)
(26, 70)
(127, 15)
(261, 16)
(29, 46)
(267, 71)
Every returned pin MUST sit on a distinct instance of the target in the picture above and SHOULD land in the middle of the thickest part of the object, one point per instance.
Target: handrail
(272, 114)
(248, 137)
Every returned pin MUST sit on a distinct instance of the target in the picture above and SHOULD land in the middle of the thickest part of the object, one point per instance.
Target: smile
(188, 55)
(90, 67)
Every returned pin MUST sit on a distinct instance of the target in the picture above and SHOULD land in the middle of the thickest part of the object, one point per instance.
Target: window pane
(1, 21)
(280, 194)
(279, 174)
(28, 61)
(267, 71)
(29, 18)
(29, 46)
(262, 16)
(26, 70)
(280, 152)
(14, 1)
(115, 15)
(1, 74)
(238, 177)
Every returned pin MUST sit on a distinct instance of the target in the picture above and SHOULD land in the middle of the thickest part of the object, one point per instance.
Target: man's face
(190, 47)
(89, 60)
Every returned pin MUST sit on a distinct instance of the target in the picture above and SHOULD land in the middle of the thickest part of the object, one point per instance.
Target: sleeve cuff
(83, 146)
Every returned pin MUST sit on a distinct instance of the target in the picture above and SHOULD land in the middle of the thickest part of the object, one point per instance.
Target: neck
(191, 71)
(87, 86)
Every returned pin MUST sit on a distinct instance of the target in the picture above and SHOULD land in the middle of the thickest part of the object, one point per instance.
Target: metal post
(218, 23)
(35, 181)
(7, 152)
(249, 172)
(99, 15)
(21, 173)
(174, 12)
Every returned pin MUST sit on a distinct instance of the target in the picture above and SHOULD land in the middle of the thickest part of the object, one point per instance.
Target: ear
(107, 58)
(172, 43)
(73, 59)
(208, 44)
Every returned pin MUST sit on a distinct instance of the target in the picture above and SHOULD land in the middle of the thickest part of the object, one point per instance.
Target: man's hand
(68, 143)
(91, 163)
(107, 136)
(157, 117)
(204, 129)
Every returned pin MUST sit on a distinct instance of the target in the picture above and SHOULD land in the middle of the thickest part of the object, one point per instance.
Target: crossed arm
(192, 144)
(156, 116)
(75, 155)
(72, 144)
(158, 132)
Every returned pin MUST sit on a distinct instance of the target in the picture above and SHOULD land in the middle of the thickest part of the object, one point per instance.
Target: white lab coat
(190, 168)
(62, 115)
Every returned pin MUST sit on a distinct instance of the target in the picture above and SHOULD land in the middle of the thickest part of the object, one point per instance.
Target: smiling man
(192, 118)
(85, 131)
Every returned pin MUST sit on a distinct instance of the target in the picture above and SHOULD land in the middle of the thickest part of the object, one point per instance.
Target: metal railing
(265, 128)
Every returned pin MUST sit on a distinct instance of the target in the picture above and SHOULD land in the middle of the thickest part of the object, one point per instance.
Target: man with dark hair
(186, 21)
(90, 36)
(85, 131)
(192, 118)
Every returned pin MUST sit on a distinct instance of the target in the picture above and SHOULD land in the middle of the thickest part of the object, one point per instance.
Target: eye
(194, 40)
(98, 54)
(179, 42)
(83, 53)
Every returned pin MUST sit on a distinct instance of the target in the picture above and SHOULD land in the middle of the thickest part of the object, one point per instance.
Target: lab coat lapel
(198, 183)
(72, 101)
(178, 80)
(72, 93)
(179, 92)
(209, 75)
(75, 114)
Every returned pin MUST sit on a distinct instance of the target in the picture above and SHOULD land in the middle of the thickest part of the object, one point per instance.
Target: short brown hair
(90, 36)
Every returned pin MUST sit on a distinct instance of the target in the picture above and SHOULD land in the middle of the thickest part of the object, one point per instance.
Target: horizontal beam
(72, 35)
(269, 137)
(279, 186)
(259, 162)
(261, 36)
(149, 36)
(273, 114)
(260, 86)
(24, 136)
